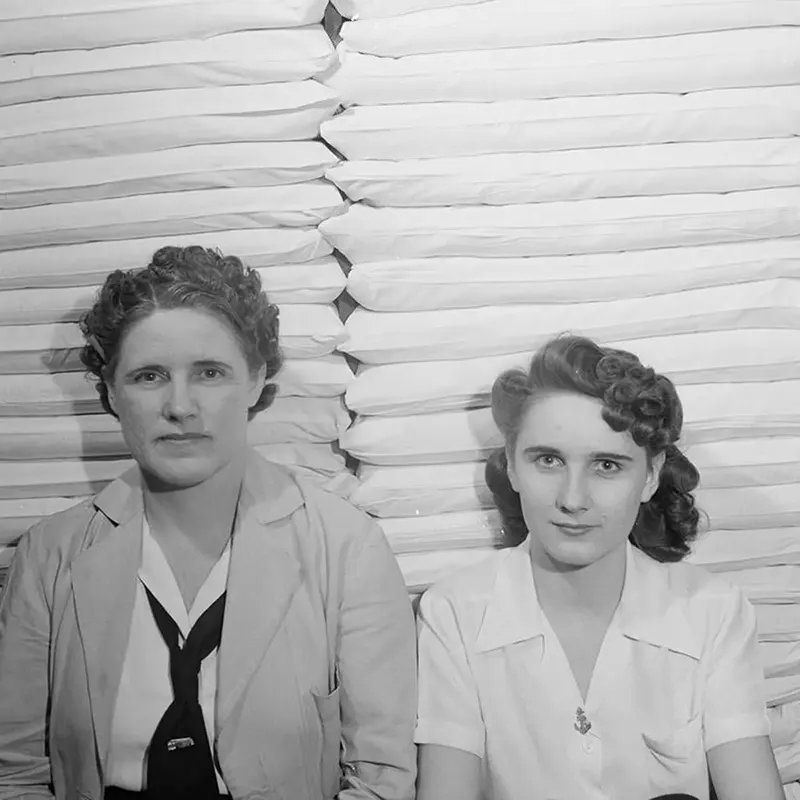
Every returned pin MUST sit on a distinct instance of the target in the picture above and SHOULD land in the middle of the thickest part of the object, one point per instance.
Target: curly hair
(183, 277)
(635, 399)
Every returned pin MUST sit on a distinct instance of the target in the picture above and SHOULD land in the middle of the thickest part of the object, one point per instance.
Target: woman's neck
(594, 589)
(201, 516)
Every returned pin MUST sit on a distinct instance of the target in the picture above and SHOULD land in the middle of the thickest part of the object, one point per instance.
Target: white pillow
(439, 531)
(422, 490)
(74, 477)
(54, 394)
(313, 282)
(48, 394)
(778, 622)
(293, 420)
(742, 549)
(423, 438)
(760, 492)
(788, 757)
(88, 264)
(299, 419)
(139, 122)
(564, 228)
(514, 178)
(310, 331)
(512, 23)
(728, 356)
(16, 516)
(446, 130)
(777, 584)
(306, 331)
(174, 213)
(257, 56)
(784, 718)
(751, 507)
(290, 420)
(34, 27)
(461, 282)
(420, 570)
(79, 476)
(382, 338)
(320, 463)
(214, 166)
(712, 412)
(325, 376)
(378, 9)
(695, 62)
(310, 283)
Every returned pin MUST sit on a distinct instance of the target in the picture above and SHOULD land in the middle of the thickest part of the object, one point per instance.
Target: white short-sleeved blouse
(677, 674)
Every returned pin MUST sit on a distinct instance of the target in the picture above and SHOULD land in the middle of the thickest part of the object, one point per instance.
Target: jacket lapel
(104, 587)
(264, 574)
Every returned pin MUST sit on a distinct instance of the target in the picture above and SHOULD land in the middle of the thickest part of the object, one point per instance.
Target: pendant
(582, 724)
(180, 743)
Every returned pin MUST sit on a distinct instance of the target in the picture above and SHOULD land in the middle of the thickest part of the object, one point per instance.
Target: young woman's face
(182, 389)
(580, 482)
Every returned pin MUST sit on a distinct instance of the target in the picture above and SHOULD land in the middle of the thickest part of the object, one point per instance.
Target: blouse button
(587, 747)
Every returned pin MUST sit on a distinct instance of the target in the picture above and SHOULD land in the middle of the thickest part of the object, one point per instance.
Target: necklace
(582, 724)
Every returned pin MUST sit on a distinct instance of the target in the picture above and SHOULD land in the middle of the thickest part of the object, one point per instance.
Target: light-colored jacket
(316, 685)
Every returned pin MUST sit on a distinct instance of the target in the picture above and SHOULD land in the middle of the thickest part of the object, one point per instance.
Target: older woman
(206, 625)
(586, 662)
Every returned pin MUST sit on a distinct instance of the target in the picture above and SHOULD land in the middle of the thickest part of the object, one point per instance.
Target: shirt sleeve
(377, 674)
(24, 654)
(449, 708)
(734, 706)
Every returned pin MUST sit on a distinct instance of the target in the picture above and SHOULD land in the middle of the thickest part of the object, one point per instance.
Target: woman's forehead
(182, 333)
(571, 422)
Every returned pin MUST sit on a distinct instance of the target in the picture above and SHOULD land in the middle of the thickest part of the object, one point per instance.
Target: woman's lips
(574, 529)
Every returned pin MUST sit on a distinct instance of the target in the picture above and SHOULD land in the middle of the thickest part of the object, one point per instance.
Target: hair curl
(183, 277)
(635, 399)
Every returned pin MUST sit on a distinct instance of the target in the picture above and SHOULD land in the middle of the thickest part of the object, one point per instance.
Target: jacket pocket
(329, 715)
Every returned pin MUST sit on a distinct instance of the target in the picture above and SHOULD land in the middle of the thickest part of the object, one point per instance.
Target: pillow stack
(628, 170)
(128, 125)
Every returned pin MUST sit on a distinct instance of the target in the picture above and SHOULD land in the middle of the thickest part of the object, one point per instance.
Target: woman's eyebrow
(610, 456)
(541, 449)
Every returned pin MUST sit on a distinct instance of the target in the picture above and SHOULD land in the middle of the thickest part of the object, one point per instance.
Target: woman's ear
(110, 394)
(510, 471)
(653, 476)
(258, 378)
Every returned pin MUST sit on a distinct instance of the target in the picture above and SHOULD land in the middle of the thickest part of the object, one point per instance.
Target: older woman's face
(182, 389)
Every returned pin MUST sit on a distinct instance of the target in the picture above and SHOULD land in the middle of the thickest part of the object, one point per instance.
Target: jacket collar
(268, 492)
(649, 610)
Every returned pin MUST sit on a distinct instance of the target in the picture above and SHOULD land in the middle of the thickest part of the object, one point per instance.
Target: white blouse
(677, 674)
(145, 690)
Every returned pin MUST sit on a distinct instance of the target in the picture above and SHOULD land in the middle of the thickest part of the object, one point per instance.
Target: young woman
(206, 625)
(586, 662)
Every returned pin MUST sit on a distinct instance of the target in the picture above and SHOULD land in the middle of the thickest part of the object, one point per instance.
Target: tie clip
(180, 743)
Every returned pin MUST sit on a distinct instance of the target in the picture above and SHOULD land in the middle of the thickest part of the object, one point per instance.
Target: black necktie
(179, 763)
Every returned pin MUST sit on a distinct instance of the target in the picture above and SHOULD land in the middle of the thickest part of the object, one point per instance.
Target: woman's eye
(147, 377)
(547, 461)
(608, 467)
(211, 373)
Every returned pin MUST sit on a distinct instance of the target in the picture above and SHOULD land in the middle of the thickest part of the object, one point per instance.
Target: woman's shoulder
(60, 535)
(469, 591)
(705, 598)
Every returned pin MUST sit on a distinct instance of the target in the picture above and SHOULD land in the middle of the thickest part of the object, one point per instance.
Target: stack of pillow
(129, 125)
(628, 170)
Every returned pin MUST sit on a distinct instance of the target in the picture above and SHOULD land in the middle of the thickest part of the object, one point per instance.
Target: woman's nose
(573, 496)
(179, 402)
